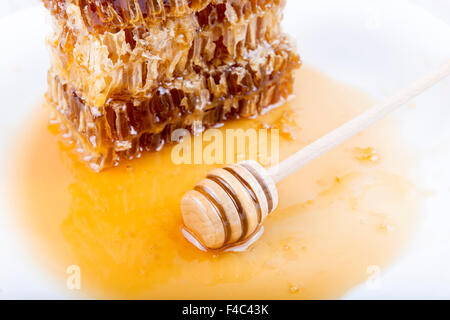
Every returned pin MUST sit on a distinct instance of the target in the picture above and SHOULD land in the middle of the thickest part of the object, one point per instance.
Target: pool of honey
(352, 209)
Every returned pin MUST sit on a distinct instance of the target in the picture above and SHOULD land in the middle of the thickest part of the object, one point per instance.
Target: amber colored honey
(338, 217)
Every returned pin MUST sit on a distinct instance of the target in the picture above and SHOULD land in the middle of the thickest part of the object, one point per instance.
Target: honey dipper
(230, 205)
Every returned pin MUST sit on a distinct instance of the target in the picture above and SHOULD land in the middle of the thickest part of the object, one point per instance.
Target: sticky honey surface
(346, 214)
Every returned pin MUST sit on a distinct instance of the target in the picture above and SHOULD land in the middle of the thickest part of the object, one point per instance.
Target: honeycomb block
(126, 73)
(111, 15)
(135, 61)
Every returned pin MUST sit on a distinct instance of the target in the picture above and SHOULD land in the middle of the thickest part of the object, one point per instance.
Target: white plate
(379, 46)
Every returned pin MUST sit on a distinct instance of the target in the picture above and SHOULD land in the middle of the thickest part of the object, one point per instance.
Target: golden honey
(338, 217)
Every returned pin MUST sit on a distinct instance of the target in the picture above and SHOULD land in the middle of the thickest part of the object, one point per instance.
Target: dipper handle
(358, 124)
(231, 204)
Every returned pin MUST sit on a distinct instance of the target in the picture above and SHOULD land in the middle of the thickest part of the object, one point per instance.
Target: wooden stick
(229, 207)
(355, 126)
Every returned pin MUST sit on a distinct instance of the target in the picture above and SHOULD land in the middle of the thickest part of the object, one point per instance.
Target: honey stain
(366, 154)
(122, 227)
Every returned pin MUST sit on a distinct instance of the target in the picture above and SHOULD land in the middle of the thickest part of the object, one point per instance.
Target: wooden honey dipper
(230, 205)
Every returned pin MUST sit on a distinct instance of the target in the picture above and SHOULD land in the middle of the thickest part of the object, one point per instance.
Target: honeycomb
(134, 61)
(111, 15)
(126, 73)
